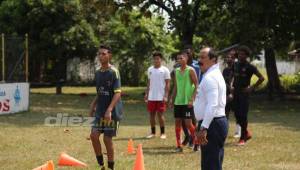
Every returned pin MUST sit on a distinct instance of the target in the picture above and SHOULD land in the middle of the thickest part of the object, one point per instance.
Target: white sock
(238, 129)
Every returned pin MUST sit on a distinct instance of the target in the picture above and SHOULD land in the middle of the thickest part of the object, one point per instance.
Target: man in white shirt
(157, 93)
(209, 107)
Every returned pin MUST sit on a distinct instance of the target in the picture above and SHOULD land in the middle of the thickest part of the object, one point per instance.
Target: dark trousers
(212, 153)
(241, 108)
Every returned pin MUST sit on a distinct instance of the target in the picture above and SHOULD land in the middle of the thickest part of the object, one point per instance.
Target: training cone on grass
(139, 161)
(130, 148)
(47, 166)
(66, 160)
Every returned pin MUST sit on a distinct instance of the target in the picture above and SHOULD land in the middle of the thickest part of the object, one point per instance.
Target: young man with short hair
(228, 74)
(106, 108)
(184, 92)
(243, 72)
(157, 93)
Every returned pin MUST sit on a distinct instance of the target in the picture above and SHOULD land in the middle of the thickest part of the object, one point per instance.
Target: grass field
(25, 142)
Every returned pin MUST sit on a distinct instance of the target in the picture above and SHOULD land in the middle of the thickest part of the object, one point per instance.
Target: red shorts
(157, 106)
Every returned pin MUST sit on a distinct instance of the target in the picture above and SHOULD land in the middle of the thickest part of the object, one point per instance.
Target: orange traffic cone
(47, 166)
(130, 148)
(139, 161)
(66, 160)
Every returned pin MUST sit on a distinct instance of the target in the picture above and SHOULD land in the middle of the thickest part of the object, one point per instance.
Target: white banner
(14, 97)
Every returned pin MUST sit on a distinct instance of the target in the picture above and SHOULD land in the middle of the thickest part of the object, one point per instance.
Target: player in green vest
(183, 96)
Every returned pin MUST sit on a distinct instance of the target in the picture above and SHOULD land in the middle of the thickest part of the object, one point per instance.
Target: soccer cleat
(163, 136)
(241, 143)
(248, 136)
(179, 149)
(186, 140)
(150, 136)
(196, 148)
(236, 135)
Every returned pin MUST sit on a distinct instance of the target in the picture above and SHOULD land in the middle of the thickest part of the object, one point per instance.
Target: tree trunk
(187, 39)
(272, 73)
(60, 74)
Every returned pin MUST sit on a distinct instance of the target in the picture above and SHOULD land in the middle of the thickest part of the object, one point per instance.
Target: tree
(133, 38)
(266, 24)
(58, 30)
(183, 17)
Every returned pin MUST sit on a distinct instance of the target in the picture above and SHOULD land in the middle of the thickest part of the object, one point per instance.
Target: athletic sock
(162, 130)
(111, 165)
(153, 130)
(192, 131)
(100, 160)
(177, 132)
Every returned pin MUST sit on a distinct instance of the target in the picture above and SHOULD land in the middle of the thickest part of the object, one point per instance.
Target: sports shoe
(237, 133)
(179, 149)
(248, 135)
(102, 167)
(241, 143)
(163, 136)
(196, 148)
(150, 136)
(185, 141)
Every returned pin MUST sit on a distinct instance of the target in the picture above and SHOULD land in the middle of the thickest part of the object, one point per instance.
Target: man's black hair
(212, 54)
(106, 47)
(245, 49)
(157, 53)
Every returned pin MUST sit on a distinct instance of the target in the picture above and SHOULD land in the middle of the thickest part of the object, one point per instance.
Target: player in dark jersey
(106, 108)
(243, 72)
(228, 74)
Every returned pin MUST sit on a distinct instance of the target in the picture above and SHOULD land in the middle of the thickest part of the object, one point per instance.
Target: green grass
(26, 143)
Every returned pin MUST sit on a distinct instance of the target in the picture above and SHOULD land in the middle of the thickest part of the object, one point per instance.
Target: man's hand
(248, 89)
(146, 98)
(107, 115)
(171, 104)
(201, 136)
(165, 99)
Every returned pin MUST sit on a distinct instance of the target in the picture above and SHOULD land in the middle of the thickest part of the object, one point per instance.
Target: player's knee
(107, 139)
(94, 136)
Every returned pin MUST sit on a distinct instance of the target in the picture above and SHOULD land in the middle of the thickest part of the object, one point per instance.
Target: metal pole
(3, 58)
(26, 57)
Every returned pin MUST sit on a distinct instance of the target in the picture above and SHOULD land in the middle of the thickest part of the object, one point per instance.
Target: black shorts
(107, 128)
(183, 112)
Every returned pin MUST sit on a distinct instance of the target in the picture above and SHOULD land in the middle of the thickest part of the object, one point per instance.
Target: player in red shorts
(157, 93)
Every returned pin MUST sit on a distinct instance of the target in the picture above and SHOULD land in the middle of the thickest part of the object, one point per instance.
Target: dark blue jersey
(107, 84)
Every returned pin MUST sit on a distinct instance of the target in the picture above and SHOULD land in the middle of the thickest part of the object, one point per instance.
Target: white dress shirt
(211, 96)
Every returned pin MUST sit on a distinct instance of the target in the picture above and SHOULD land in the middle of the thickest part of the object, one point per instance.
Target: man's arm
(93, 107)
(115, 99)
(147, 91)
(257, 83)
(195, 82)
(174, 93)
(167, 89)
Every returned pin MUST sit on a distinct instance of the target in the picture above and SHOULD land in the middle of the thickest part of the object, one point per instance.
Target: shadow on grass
(135, 139)
(162, 150)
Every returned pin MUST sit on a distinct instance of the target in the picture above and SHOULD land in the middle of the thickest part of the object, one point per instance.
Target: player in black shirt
(228, 74)
(243, 72)
(106, 108)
